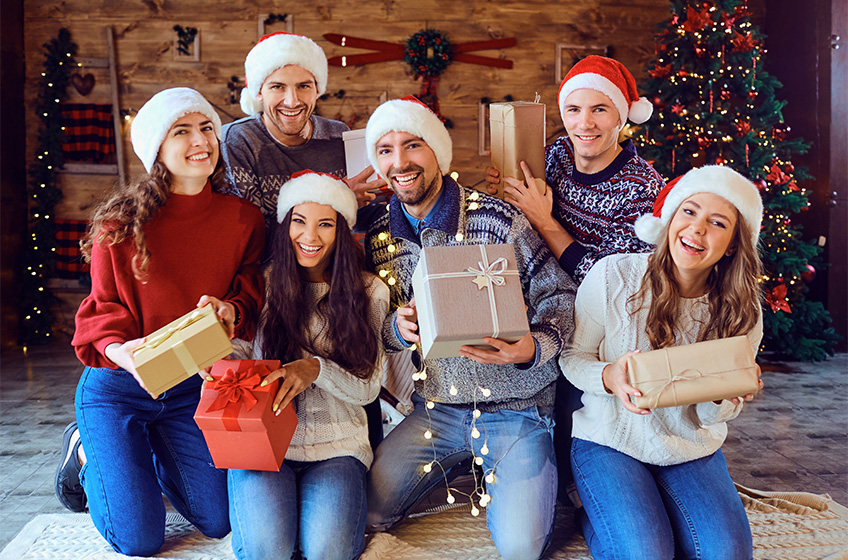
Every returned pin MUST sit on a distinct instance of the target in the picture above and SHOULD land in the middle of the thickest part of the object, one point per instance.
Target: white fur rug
(786, 526)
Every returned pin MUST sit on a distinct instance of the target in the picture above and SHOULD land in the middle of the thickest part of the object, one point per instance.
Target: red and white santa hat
(323, 188)
(409, 115)
(611, 78)
(275, 51)
(716, 179)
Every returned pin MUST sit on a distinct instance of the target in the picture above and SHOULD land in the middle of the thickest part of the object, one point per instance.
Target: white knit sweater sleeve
(582, 364)
(336, 380)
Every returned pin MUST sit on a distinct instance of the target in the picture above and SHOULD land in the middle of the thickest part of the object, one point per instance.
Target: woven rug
(786, 526)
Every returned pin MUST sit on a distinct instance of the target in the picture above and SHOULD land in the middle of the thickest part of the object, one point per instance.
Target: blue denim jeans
(138, 448)
(316, 508)
(636, 510)
(520, 515)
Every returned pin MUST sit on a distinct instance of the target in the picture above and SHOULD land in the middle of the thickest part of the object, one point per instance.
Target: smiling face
(190, 152)
(313, 236)
(288, 97)
(592, 123)
(699, 235)
(412, 170)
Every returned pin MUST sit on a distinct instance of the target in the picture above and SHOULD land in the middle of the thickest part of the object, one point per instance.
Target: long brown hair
(284, 324)
(734, 295)
(126, 209)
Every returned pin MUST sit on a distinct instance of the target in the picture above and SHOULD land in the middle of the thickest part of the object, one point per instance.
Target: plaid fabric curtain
(69, 263)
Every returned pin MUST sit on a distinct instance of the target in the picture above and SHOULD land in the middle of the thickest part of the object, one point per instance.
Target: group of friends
(611, 260)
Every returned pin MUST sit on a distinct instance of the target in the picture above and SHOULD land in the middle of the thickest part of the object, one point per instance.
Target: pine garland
(43, 194)
(715, 104)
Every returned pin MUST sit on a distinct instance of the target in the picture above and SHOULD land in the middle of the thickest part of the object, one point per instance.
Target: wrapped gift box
(181, 348)
(518, 134)
(464, 293)
(241, 430)
(356, 153)
(693, 373)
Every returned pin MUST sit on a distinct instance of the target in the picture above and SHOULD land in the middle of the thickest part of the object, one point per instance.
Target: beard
(420, 194)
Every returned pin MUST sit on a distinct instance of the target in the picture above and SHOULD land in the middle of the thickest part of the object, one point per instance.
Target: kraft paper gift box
(517, 131)
(234, 413)
(693, 373)
(181, 348)
(464, 293)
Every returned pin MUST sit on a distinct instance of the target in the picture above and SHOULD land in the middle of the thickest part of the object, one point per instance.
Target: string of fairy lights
(479, 495)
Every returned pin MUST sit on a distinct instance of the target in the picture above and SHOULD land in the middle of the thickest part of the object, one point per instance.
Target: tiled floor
(793, 437)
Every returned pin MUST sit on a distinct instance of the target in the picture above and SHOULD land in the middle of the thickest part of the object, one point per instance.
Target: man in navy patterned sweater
(507, 392)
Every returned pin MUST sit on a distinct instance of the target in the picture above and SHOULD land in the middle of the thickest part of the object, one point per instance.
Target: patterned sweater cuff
(571, 257)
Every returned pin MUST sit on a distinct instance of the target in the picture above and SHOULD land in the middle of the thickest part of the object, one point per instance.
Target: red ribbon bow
(236, 388)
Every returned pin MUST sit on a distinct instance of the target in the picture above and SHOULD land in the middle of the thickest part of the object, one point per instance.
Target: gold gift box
(181, 348)
(693, 373)
(517, 131)
(464, 293)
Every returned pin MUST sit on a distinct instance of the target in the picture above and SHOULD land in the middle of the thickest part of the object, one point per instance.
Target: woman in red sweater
(159, 247)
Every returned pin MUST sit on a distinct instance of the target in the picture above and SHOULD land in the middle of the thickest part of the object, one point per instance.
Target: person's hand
(122, 356)
(225, 311)
(750, 396)
(526, 197)
(407, 322)
(615, 382)
(493, 177)
(362, 188)
(519, 352)
(296, 377)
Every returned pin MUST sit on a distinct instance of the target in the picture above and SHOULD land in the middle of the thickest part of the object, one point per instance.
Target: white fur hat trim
(716, 179)
(310, 186)
(156, 117)
(275, 51)
(411, 116)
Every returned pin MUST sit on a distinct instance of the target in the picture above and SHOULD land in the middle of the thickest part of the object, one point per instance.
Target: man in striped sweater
(506, 393)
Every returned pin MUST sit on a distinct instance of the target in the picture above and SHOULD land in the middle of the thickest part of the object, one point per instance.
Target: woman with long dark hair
(322, 318)
(159, 247)
(654, 483)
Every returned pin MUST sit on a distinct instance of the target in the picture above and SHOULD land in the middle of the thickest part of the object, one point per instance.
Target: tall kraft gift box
(181, 348)
(464, 293)
(235, 415)
(693, 373)
(517, 131)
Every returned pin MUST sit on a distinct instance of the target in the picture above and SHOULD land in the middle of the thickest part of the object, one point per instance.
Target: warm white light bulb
(478, 460)
(453, 390)
(475, 433)
(428, 434)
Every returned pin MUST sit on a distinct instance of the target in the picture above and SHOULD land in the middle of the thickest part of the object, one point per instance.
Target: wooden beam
(116, 104)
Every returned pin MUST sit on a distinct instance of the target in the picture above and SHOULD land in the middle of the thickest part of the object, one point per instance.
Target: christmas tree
(715, 104)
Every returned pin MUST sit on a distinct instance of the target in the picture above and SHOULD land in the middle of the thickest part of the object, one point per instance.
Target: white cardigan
(605, 331)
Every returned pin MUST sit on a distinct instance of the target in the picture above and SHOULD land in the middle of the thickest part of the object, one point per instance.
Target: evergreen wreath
(428, 53)
(43, 193)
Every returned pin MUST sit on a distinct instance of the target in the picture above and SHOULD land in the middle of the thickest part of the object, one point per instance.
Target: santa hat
(153, 121)
(275, 51)
(611, 78)
(412, 116)
(716, 179)
(323, 188)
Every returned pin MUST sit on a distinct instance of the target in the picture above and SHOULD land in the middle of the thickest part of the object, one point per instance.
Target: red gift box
(241, 430)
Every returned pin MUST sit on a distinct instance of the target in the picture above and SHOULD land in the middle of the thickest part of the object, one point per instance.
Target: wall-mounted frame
(264, 21)
(566, 53)
(186, 49)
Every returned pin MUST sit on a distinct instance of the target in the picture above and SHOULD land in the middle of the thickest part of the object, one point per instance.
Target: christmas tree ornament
(809, 274)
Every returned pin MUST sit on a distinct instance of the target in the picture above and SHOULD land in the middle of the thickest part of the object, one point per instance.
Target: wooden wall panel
(144, 28)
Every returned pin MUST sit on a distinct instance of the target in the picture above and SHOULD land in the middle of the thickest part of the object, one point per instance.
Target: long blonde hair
(734, 296)
(126, 209)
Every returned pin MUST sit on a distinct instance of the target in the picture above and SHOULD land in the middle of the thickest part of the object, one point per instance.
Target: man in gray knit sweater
(493, 406)
(285, 74)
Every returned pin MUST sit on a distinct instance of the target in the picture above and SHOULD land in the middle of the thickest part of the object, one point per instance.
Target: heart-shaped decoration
(83, 84)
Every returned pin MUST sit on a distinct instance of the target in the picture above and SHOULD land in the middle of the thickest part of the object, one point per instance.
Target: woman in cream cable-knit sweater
(322, 319)
(654, 483)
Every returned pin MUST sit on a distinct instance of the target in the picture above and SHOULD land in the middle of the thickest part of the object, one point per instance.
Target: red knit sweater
(207, 244)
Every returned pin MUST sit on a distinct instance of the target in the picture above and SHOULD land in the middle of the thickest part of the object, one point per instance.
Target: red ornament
(743, 127)
(682, 73)
(778, 133)
(695, 20)
(761, 184)
(743, 43)
(704, 142)
(808, 275)
(660, 71)
(725, 94)
(777, 176)
(752, 94)
(700, 50)
(657, 100)
(677, 108)
(776, 298)
(720, 160)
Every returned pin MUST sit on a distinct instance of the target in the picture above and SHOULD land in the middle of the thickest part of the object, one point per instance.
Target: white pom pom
(648, 228)
(640, 111)
(249, 104)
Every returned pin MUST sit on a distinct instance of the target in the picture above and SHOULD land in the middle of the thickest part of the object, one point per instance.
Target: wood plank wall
(144, 31)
